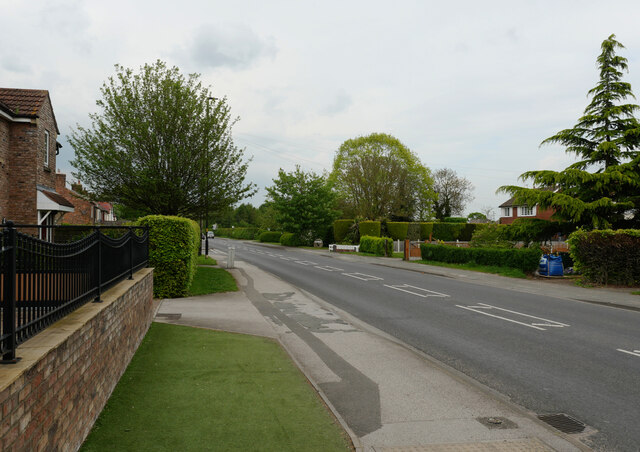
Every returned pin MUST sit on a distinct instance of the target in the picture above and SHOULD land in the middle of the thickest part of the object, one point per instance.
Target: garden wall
(51, 398)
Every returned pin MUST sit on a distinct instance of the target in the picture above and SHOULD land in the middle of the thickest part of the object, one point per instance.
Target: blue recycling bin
(551, 265)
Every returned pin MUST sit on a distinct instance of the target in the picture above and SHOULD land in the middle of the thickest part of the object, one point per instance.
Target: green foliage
(476, 216)
(303, 203)
(426, 231)
(606, 138)
(212, 280)
(607, 256)
(370, 228)
(379, 177)
(535, 230)
(341, 229)
(380, 246)
(525, 259)
(173, 253)
(270, 236)
(413, 231)
(291, 239)
(397, 229)
(224, 232)
(491, 236)
(447, 232)
(161, 145)
(245, 233)
(454, 220)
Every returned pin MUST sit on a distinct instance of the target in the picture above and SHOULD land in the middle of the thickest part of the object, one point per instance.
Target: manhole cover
(562, 422)
(169, 316)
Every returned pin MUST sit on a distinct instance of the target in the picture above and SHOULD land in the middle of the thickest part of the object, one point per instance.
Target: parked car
(210, 234)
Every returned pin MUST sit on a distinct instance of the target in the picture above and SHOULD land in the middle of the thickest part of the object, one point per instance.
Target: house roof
(508, 203)
(24, 103)
(57, 198)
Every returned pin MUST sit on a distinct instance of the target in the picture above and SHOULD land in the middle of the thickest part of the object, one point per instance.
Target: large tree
(303, 203)
(379, 177)
(161, 144)
(452, 192)
(602, 189)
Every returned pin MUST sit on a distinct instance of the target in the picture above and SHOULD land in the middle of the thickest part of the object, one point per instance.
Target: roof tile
(23, 102)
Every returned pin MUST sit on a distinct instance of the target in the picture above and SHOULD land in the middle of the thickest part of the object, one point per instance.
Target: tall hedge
(450, 232)
(340, 229)
(290, 239)
(607, 256)
(370, 228)
(397, 229)
(270, 236)
(426, 231)
(376, 245)
(224, 232)
(173, 250)
(525, 259)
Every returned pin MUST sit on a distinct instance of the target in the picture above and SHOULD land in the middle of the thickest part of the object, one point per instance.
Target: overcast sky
(473, 86)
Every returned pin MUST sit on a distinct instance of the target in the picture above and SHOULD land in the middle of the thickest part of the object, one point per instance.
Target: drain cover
(562, 422)
(496, 422)
(168, 316)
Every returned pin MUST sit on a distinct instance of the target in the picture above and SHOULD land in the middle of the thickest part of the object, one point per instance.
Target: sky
(467, 85)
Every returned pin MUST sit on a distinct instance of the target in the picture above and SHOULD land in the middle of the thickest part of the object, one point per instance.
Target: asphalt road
(549, 355)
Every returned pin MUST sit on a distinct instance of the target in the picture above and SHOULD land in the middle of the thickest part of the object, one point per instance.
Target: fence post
(9, 305)
(407, 249)
(98, 300)
(130, 253)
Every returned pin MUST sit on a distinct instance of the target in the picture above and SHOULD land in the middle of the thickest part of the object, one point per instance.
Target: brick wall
(4, 168)
(51, 398)
(82, 208)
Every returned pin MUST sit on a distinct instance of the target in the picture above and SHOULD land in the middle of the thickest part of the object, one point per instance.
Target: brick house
(28, 150)
(509, 211)
(86, 211)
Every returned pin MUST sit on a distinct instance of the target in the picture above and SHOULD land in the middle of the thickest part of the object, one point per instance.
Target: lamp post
(206, 194)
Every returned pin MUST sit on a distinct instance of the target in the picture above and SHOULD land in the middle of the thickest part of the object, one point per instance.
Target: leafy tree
(161, 144)
(452, 192)
(303, 203)
(476, 216)
(606, 139)
(379, 177)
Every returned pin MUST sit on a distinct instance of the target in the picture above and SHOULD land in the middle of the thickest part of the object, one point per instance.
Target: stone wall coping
(33, 350)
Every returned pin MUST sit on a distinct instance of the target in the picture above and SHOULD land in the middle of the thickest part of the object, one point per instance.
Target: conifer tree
(603, 188)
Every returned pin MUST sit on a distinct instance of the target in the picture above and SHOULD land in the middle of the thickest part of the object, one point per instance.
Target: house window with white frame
(526, 211)
(506, 211)
(46, 149)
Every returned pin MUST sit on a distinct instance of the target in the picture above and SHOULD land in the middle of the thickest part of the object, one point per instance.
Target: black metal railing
(42, 281)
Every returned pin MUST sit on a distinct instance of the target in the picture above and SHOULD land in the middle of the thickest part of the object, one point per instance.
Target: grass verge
(191, 389)
(212, 280)
(503, 271)
(635, 292)
(206, 260)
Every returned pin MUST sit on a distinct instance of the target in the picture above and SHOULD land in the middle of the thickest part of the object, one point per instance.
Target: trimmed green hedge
(454, 220)
(397, 229)
(525, 259)
(245, 233)
(224, 232)
(290, 239)
(426, 230)
(450, 232)
(376, 245)
(370, 228)
(270, 236)
(340, 229)
(173, 250)
(607, 256)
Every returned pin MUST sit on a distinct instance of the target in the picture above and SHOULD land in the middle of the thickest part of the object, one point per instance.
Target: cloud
(234, 47)
(14, 63)
(341, 102)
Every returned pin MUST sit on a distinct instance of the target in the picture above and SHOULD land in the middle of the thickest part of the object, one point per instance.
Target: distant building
(86, 211)
(509, 211)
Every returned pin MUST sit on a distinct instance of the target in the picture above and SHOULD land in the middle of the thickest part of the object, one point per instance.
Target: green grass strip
(190, 389)
(206, 260)
(212, 280)
(503, 271)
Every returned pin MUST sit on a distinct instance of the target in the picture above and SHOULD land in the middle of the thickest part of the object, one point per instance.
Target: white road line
(481, 308)
(286, 258)
(634, 353)
(362, 277)
(305, 263)
(329, 268)
(429, 293)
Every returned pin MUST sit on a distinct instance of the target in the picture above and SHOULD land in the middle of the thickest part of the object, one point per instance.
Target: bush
(370, 228)
(270, 236)
(376, 245)
(454, 220)
(491, 236)
(526, 259)
(173, 250)
(224, 232)
(397, 230)
(340, 229)
(290, 239)
(607, 256)
(426, 231)
(245, 233)
(413, 231)
(535, 230)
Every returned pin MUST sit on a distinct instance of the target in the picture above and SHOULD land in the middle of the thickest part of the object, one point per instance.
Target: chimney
(61, 181)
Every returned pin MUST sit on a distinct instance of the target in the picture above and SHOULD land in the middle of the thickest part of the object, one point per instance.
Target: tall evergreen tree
(603, 188)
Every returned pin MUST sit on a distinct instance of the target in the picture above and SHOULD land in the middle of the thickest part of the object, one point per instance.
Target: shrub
(270, 236)
(244, 233)
(491, 236)
(426, 231)
(535, 230)
(526, 259)
(454, 220)
(340, 229)
(370, 228)
(173, 250)
(290, 239)
(607, 256)
(413, 231)
(224, 232)
(376, 245)
(397, 230)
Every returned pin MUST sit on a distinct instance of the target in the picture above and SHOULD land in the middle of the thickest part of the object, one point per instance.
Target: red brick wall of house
(53, 404)
(82, 208)
(4, 168)
(541, 214)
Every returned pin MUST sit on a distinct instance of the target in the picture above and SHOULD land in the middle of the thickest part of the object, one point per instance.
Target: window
(506, 211)
(46, 149)
(526, 211)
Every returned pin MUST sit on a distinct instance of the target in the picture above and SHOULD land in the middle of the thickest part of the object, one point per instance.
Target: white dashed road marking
(634, 353)
(424, 293)
(362, 276)
(481, 308)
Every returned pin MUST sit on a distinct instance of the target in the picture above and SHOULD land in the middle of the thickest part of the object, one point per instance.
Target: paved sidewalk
(388, 396)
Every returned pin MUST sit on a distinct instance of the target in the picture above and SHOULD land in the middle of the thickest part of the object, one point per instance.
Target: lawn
(212, 280)
(503, 271)
(205, 260)
(191, 389)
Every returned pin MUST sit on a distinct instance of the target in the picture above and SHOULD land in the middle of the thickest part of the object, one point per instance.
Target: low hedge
(340, 229)
(397, 230)
(270, 236)
(525, 259)
(290, 239)
(376, 245)
(607, 256)
(369, 228)
(173, 251)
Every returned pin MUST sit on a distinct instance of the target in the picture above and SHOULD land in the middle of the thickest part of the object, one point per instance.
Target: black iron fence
(41, 281)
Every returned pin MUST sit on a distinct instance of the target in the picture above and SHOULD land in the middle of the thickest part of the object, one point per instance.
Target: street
(549, 355)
